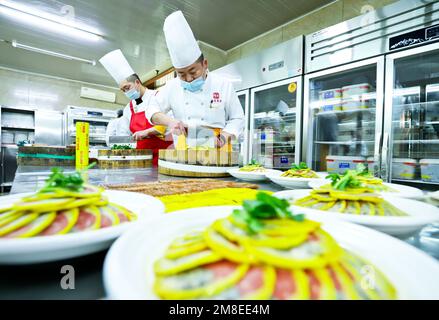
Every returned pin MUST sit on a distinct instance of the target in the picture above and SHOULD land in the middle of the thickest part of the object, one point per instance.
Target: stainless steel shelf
(415, 181)
(345, 111)
(17, 128)
(435, 141)
(343, 142)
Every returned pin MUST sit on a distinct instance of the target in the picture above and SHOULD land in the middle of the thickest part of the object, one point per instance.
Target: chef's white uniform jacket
(216, 104)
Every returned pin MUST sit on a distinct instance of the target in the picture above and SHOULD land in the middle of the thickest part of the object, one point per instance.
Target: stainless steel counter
(43, 281)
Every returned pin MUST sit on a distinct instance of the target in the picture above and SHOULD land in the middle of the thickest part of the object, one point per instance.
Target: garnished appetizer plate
(66, 219)
(251, 172)
(264, 251)
(297, 177)
(391, 189)
(393, 215)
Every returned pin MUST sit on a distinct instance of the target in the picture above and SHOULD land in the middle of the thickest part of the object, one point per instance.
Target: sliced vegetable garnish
(63, 223)
(21, 221)
(33, 228)
(89, 219)
(230, 250)
(175, 253)
(316, 253)
(201, 282)
(108, 217)
(45, 205)
(167, 267)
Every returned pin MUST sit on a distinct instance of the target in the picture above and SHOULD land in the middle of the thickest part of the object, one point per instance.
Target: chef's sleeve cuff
(150, 111)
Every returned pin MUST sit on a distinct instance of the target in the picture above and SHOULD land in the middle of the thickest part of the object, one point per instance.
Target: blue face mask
(132, 94)
(193, 86)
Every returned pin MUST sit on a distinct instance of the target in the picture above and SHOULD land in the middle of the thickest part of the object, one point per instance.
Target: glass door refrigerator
(244, 99)
(275, 129)
(343, 112)
(411, 138)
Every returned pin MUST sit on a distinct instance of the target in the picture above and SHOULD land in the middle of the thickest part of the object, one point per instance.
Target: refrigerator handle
(385, 173)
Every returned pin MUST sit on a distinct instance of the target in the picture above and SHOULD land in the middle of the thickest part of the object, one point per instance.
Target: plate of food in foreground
(297, 177)
(262, 250)
(377, 184)
(251, 172)
(67, 218)
(349, 199)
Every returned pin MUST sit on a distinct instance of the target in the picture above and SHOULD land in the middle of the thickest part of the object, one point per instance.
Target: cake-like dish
(300, 171)
(264, 251)
(64, 205)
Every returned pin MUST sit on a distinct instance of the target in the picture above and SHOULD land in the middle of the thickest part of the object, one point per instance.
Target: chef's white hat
(116, 65)
(182, 46)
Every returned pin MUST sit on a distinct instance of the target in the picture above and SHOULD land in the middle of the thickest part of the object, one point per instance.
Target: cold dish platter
(348, 197)
(67, 218)
(251, 172)
(298, 176)
(263, 250)
(375, 184)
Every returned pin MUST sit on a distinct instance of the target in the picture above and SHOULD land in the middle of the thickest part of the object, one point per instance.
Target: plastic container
(348, 105)
(371, 165)
(284, 161)
(339, 164)
(355, 90)
(330, 94)
(429, 170)
(404, 168)
(331, 105)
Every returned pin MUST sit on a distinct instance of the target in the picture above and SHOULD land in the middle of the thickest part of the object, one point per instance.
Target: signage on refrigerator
(417, 37)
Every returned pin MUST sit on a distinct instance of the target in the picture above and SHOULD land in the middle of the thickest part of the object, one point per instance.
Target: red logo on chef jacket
(216, 97)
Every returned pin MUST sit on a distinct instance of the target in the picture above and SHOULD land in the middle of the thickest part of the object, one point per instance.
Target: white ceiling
(135, 26)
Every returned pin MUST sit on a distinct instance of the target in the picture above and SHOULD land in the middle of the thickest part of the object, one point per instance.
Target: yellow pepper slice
(166, 266)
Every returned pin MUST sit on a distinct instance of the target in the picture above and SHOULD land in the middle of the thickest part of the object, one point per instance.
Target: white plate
(401, 190)
(250, 176)
(128, 268)
(291, 183)
(57, 247)
(420, 214)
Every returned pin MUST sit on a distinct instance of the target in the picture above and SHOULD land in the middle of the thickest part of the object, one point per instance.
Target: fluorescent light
(35, 95)
(15, 44)
(46, 21)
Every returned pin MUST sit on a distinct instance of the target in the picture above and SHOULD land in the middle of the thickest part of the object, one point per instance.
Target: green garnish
(301, 166)
(70, 182)
(264, 207)
(121, 147)
(349, 179)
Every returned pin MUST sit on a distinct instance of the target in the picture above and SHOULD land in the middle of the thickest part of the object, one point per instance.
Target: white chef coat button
(202, 103)
(187, 103)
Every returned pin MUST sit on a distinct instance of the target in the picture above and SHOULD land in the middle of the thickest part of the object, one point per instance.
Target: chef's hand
(223, 139)
(143, 134)
(178, 127)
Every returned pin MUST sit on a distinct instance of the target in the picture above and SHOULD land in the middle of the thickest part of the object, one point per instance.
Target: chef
(133, 122)
(195, 95)
(112, 127)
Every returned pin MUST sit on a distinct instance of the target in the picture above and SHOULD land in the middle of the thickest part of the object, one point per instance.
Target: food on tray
(64, 205)
(264, 251)
(300, 171)
(216, 197)
(165, 188)
(349, 193)
(253, 166)
(121, 147)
